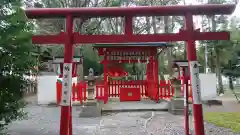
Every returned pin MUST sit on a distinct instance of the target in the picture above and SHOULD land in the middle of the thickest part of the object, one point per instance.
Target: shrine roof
(140, 44)
(182, 63)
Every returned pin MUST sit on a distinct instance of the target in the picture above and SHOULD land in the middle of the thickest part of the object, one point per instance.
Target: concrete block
(177, 103)
(91, 109)
(176, 106)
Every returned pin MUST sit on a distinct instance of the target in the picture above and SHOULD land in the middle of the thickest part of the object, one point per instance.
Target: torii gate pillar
(66, 109)
(194, 75)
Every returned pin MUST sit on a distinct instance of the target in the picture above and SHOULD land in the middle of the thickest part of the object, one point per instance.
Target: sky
(237, 11)
(197, 19)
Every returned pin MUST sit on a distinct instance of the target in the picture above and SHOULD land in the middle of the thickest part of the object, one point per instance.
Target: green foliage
(88, 63)
(117, 3)
(224, 119)
(17, 58)
(231, 68)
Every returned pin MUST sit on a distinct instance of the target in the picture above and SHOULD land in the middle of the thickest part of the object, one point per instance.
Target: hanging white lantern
(139, 60)
(147, 60)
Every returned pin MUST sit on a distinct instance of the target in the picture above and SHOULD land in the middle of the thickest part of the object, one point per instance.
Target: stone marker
(176, 104)
(92, 107)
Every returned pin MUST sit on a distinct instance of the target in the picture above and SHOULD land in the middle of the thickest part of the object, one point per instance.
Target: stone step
(177, 111)
(90, 111)
(176, 104)
(92, 108)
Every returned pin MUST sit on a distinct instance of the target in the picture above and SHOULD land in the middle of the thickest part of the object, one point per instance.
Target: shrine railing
(164, 90)
(115, 85)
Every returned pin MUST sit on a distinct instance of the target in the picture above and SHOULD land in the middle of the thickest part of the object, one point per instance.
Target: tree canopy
(17, 59)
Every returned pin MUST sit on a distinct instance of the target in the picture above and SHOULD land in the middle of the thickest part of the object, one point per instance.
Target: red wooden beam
(122, 61)
(124, 38)
(88, 39)
(212, 36)
(177, 10)
(49, 39)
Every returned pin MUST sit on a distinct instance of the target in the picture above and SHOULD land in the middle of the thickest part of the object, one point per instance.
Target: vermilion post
(70, 118)
(65, 124)
(151, 76)
(194, 75)
(155, 71)
(186, 120)
(105, 78)
(157, 81)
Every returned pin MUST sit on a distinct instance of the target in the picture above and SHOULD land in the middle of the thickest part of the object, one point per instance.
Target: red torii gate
(69, 38)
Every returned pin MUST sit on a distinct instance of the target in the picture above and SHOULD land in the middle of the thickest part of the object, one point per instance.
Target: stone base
(176, 106)
(212, 102)
(91, 109)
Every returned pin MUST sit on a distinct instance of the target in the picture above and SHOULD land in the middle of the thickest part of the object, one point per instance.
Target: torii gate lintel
(189, 35)
(78, 38)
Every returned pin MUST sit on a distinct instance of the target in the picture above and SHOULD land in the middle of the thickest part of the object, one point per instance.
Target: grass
(224, 119)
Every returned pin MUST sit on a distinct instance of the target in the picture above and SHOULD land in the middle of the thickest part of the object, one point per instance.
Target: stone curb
(212, 102)
(132, 110)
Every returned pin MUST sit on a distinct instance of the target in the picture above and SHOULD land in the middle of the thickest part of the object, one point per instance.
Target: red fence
(100, 93)
(166, 90)
(79, 93)
(115, 85)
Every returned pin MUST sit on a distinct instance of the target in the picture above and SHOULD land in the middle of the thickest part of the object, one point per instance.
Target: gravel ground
(174, 126)
(45, 121)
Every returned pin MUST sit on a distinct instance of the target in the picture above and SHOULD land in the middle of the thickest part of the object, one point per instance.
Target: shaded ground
(45, 121)
(230, 104)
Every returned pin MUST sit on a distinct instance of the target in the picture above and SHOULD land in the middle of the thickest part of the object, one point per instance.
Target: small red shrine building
(119, 53)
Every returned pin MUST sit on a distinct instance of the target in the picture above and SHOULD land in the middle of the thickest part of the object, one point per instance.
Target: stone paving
(45, 121)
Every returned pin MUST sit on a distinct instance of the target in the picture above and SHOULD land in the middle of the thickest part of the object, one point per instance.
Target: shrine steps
(135, 106)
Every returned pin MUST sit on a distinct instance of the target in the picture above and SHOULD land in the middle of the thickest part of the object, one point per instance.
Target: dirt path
(228, 106)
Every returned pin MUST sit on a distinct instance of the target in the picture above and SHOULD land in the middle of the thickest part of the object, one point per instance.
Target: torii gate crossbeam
(68, 38)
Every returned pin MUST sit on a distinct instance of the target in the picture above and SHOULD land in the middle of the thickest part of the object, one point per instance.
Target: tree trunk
(185, 54)
(230, 79)
(80, 75)
(218, 71)
(161, 68)
(160, 57)
(217, 53)
(169, 50)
